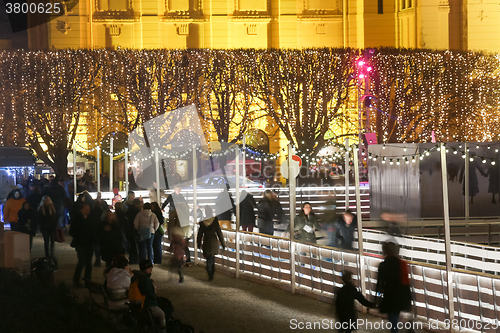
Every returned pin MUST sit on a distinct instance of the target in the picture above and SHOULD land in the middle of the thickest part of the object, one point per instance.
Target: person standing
(131, 233)
(47, 219)
(344, 234)
(209, 236)
(146, 223)
(247, 211)
(224, 207)
(157, 240)
(111, 238)
(27, 221)
(129, 201)
(12, 207)
(176, 198)
(57, 194)
(393, 285)
(265, 213)
(306, 224)
(35, 196)
(83, 232)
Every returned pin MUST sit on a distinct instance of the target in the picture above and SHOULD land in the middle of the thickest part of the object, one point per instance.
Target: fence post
(111, 164)
(74, 170)
(466, 181)
(98, 169)
(362, 273)
(126, 173)
(446, 211)
(195, 205)
(237, 236)
(291, 194)
(346, 174)
(157, 177)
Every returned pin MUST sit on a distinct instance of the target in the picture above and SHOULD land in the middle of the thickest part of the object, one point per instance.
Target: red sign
(298, 159)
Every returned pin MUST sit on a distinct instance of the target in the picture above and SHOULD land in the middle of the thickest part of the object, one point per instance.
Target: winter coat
(83, 231)
(146, 288)
(57, 194)
(47, 222)
(122, 220)
(345, 234)
(117, 286)
(27, 221)
(304, 227)
(224, 209)
(396, 294)
(344, 303)
(265, 214)
(247, 210)
(131, 214)
(146, 219)
(207, 237)
(34, 200)
(11, 208)
(111, 241)
(177, 247)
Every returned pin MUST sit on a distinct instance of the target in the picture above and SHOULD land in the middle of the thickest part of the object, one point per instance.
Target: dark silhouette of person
(494, 181)
(473, 181)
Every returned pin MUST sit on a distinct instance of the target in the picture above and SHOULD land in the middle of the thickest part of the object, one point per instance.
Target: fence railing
(318, 271)
(467, 256)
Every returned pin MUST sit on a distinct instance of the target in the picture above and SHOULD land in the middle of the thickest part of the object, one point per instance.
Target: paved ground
(224, 305)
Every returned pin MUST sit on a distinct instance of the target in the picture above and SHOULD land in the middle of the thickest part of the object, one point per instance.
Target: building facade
(431, 24)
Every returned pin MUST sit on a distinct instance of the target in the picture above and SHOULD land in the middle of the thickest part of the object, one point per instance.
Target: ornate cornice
(179, 19)
(251, 18)
(319, 17)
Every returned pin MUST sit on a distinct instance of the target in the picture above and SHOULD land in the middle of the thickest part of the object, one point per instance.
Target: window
(380, 6)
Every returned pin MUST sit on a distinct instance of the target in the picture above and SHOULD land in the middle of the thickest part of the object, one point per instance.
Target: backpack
(134, 294)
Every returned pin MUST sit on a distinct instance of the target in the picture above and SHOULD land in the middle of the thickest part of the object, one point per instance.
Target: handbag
(145, 233)
(59, 235)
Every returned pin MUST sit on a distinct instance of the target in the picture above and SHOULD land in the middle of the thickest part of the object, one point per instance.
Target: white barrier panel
(468, 256)
(319, 269)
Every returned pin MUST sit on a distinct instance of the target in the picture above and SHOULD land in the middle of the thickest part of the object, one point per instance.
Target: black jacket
(27, 221)
(111, 241)
(344, 303)
(209, 236)
(83, 231)
(396, 296)
(265, 213)
(345, 233)
(47, 222)
(247, 210)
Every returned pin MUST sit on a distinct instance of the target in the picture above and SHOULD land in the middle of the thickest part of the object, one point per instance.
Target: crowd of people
(131, 227)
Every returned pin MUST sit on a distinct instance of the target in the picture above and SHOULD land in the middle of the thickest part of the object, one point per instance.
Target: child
(344, 304)
(177, 245)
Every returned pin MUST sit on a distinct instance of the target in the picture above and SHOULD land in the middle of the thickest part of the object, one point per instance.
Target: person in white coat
(146, 223)
(118, 283)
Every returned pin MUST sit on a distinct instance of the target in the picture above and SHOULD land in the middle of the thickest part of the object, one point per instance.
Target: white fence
(467, 256)
(318, 272)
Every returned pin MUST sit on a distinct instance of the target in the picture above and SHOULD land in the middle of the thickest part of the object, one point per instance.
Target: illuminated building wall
(432, 24)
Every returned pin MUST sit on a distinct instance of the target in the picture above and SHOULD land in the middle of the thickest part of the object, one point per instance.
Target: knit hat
(145, 264)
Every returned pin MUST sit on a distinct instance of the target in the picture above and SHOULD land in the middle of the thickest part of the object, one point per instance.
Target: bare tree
(55, 87)
(306, 92)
